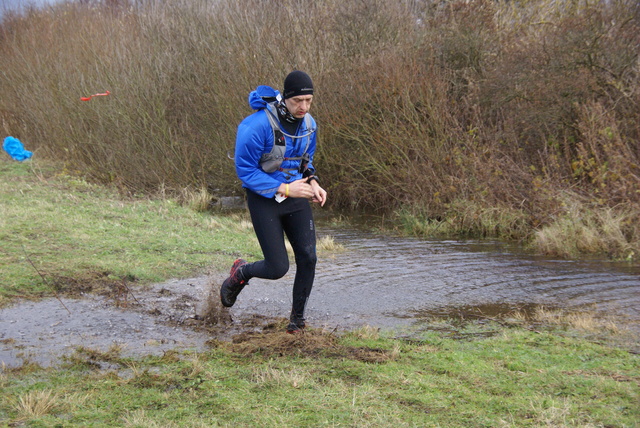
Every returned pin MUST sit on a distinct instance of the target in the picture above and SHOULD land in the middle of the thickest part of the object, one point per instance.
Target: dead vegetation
(100, 283)
(268, 337)
(496, 107)
(273, 341)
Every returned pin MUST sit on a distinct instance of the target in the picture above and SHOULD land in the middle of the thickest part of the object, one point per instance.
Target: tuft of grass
(266, 376)
(367, 332)
(139, 418)
(199, 201)
(36, 404)
(328, 244)
(583, 321)
(3, 375)
(586, 228)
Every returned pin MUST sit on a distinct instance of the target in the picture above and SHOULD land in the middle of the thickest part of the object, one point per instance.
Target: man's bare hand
(319, 194)
(302, 189)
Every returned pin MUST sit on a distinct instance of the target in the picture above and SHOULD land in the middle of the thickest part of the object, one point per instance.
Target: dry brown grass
(328, 245)
(274, 341)
(3, 375)
(422, 106)
(36, 404)
(586, 228)
(584, 321)
(198, 200)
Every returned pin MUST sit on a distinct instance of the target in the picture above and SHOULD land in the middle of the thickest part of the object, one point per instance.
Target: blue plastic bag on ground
(16, 150)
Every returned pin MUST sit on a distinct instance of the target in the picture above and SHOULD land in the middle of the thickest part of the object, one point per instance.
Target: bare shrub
(450, 110)
(607, 160)
(563, 55)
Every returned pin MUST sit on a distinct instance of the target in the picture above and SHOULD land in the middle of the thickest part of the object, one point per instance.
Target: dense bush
(448, 110)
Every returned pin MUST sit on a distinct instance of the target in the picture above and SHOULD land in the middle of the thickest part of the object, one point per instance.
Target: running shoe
(233, 285)
(296, 325)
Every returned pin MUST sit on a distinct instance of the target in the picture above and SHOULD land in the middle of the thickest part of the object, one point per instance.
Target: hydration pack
(272, 161)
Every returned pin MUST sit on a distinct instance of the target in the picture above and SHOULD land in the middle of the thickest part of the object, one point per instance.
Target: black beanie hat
(297, 83)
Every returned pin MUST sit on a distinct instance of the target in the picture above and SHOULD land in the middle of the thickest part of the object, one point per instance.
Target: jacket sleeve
(251, 140)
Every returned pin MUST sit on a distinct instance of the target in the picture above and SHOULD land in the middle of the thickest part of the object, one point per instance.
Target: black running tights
(271, 221)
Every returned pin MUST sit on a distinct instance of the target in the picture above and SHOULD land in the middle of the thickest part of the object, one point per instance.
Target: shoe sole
(225, 303)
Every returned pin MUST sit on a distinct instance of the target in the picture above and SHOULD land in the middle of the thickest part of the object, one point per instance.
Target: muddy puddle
(380, 281)
(147, 322)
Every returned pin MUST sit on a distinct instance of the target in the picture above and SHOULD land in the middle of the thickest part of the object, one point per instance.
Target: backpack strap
(272, 161)
(278, 134)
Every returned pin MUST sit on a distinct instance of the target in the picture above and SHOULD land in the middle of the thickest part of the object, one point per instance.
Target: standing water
(389, 281)
(380, 281)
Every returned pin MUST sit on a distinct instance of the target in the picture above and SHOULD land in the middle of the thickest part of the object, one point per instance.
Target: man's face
(299, 105)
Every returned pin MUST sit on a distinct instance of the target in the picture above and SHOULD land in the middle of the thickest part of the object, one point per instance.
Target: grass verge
(62, 234)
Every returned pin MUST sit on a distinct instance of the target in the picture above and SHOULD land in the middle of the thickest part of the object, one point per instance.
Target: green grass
(513, 379)
(476, 374)
(56, 229)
